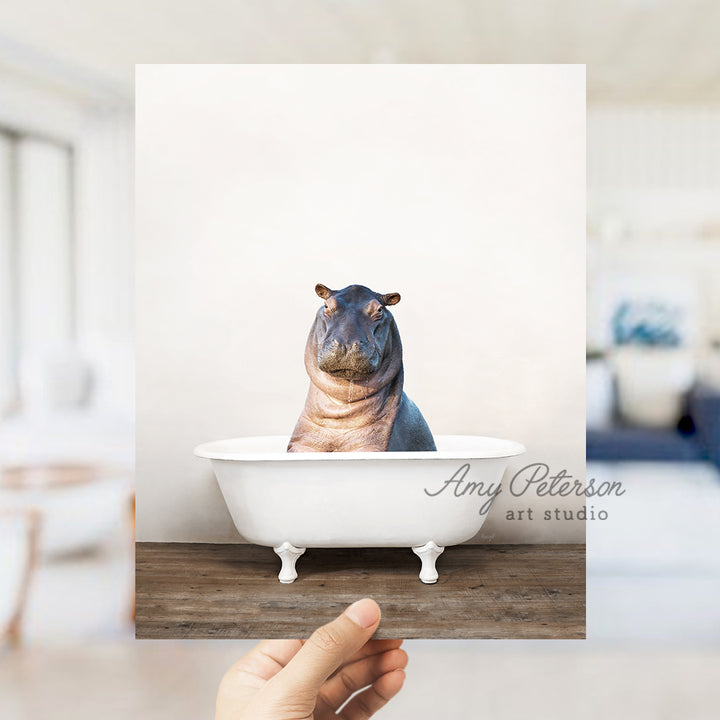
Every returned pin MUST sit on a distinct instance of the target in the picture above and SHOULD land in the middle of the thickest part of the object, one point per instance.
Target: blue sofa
(696, 438)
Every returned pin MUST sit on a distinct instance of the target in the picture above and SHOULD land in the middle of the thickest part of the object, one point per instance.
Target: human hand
(312, 679)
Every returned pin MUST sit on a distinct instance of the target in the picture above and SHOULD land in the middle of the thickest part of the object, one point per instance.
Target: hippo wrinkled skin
(354, 359)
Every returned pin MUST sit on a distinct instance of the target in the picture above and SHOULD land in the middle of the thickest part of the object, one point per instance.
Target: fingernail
(364, 612)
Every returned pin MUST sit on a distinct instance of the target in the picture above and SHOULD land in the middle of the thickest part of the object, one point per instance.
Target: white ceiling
(636, 50)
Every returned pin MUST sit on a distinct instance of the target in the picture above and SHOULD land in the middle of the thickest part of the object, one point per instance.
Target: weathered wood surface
(192, 590)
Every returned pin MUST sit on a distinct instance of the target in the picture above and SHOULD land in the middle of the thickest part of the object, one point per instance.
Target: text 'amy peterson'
(534, 477)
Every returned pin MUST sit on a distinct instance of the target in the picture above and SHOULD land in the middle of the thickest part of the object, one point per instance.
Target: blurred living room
(67, 643)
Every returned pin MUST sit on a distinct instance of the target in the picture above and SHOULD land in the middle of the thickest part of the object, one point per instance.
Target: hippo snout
(348, 361)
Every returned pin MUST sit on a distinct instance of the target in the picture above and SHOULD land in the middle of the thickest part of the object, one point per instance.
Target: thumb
(327, 649)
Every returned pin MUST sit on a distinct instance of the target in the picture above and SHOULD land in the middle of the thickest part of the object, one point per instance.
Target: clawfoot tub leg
(288, 554)
(428, 554)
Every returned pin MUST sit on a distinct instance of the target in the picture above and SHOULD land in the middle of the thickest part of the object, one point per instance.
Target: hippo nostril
(341, 349)
(332, 347)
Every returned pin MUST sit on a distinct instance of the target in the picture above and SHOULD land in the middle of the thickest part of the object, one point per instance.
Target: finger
(374, 647)
(358, 675)
(263, 662)
(365, 704)
(251, 672)
(280, 651)
(327, 649)
(371, 646)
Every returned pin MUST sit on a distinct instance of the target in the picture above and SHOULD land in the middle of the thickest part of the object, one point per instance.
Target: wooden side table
(23, 530)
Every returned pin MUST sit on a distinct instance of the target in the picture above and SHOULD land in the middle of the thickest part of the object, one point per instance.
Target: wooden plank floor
(192, 590)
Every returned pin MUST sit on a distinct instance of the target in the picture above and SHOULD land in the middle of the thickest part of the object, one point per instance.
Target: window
(37, 265)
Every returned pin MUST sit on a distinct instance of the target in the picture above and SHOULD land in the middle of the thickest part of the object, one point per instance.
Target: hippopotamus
(354, 359)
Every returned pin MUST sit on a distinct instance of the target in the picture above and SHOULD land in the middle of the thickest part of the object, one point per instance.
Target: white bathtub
(294, 501)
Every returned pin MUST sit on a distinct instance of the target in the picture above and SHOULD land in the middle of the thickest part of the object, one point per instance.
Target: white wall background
(461, 187)
(653, 211)
(104, 257)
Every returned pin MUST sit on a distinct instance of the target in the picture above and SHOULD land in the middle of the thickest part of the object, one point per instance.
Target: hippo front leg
(289, 554)
(428, 554)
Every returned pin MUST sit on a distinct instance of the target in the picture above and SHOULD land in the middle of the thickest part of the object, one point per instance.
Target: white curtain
(45, 254)
(8, 346)
(37, 285)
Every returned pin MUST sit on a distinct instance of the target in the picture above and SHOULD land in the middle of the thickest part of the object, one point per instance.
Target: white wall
(461, 187)
(653, 212)
(105, 204)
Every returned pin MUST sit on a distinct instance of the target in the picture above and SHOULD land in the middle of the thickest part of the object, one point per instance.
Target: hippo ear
(323, 291)
(390, 299)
